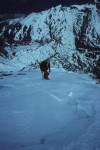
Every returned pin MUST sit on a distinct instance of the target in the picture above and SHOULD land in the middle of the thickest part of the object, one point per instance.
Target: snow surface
(62, 113)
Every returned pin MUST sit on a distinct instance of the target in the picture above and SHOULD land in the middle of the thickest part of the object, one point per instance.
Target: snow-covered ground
(62, 113)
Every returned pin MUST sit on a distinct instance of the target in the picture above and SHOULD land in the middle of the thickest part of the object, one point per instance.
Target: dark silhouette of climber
(45, 68)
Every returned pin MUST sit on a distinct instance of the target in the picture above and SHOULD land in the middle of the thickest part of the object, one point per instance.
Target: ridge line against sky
(27, 6)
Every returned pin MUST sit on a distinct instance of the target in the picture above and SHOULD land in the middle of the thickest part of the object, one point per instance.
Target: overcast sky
(25, 6)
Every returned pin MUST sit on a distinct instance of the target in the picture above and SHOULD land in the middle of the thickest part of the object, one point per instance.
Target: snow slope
(62, 113)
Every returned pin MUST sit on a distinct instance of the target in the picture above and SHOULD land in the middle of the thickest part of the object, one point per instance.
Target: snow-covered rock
(73, 32)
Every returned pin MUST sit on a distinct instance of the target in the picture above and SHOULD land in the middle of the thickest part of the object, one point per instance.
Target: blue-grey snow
(62, 113)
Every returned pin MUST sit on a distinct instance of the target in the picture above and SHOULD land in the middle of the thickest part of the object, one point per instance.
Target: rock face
(73, 31)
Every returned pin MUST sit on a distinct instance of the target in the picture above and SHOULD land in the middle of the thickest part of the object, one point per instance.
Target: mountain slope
(73, 31)
(56, 114)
